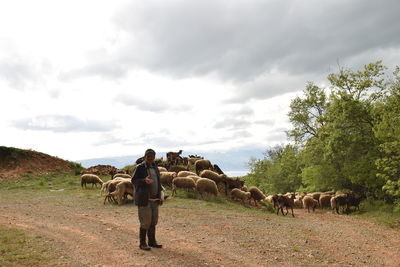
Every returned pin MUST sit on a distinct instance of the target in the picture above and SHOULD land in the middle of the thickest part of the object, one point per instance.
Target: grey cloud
(62, 123)
(242, 134)
(266, 122)
(232, 123)
(108, 139)
(242, 111)
(151, 105)
(242, 40)
(104, 69)
(17, 74)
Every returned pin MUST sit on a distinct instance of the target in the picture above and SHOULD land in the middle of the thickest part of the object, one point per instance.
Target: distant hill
(234, 162)
(14, 162)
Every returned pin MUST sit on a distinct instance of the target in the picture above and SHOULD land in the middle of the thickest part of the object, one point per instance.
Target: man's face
(149, 158)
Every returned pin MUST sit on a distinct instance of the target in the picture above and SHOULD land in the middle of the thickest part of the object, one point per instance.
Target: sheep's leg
(292, 211)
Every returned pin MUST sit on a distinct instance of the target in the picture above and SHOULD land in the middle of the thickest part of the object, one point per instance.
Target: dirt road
(198, 233)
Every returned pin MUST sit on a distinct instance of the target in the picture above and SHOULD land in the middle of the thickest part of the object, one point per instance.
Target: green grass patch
(379, 212)
(16, 249)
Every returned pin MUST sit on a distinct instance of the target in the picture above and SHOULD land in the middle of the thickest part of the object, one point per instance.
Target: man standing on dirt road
(146, 179)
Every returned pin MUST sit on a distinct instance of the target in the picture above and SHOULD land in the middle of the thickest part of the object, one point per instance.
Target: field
(48, 220)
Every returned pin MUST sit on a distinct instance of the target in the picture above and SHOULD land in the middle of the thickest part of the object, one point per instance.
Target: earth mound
(14, 162)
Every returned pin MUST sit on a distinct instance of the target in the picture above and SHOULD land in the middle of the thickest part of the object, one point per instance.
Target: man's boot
(151, 233)
(143, 244)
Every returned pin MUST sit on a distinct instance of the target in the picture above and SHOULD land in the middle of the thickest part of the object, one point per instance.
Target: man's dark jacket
(142, 188)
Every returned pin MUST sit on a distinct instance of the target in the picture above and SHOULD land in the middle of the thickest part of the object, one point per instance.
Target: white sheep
(90, 179)
(194, 177)
(167, 177)
(122, 190)
(236, 193)
(185, 173)
(162, 169)
(122, 175)
(205, 185)
(182, 182)
(217, 178)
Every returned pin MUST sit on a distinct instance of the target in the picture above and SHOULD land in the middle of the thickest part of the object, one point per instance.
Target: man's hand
(148, 180)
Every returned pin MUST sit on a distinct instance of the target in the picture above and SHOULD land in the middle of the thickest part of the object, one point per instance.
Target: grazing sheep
(90, 179)
(109, 187)
(309, 202)
(109, 184)
(194, 177)
(285, 201)
(218, 178)
(122, 175)
(205, 185)
(162, 169)
(256, 194)
(236, 193)
(202, 164)
(185, 174)
(325, 200)
(182, 182)
(167, 177)
(192, 161)
(122, 190)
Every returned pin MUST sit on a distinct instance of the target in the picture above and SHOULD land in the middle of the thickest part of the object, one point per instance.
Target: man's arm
(138, 179)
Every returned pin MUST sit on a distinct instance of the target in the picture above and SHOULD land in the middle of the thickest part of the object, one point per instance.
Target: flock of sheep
(208, 179)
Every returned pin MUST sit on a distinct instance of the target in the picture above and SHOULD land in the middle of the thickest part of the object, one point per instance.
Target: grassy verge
(379, 212)
(17, 249)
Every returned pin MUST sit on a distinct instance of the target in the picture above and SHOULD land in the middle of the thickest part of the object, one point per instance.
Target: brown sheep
(338, 201)
(286, 201)
(205, 185)
(256, 194)
(309, 202)
(325, 201)
(172, 156)
(182, 182)
(202, 164)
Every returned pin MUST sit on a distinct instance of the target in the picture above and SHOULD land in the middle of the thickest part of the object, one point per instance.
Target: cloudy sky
(87, 79)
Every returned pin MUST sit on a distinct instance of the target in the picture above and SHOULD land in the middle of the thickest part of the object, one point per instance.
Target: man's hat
(149, 151)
